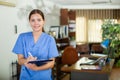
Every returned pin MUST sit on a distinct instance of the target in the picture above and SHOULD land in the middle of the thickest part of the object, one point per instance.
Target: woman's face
(36, 22)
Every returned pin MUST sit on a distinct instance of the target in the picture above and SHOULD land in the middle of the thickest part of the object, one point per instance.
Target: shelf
(71, 34)
(62, 43)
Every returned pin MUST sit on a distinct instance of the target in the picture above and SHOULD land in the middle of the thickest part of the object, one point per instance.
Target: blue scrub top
(44, 48)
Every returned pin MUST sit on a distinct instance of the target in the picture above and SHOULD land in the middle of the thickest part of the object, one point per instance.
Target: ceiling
(84, 2)
(89, 3)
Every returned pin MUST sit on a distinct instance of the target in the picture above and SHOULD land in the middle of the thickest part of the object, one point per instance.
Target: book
(91, 67)
(99, 55)
(39, 62)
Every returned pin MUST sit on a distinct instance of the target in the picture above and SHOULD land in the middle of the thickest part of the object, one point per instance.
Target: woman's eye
(32, 20)
(39, 19)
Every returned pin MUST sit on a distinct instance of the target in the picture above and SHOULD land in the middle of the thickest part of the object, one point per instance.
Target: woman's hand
(31, 66)
(22, 60)
(31, 58)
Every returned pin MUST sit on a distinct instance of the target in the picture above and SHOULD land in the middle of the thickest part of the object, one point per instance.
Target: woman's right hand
(31, 58)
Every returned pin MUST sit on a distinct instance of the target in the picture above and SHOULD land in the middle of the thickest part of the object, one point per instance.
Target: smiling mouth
(36, 26)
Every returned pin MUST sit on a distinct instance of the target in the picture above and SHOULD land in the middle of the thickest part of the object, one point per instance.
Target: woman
(39, 45)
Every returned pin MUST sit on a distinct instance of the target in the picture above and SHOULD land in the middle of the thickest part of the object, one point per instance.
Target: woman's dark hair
(37, 11)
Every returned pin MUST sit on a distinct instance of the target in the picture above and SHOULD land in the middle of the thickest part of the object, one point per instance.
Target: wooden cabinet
(68, 18)
(72, 15)
(64, 17)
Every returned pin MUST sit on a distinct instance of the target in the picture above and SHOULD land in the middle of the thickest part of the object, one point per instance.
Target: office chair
(83, 48)
(97, 48)
(69, 57)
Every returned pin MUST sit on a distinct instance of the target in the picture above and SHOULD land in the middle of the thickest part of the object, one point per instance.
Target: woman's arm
(22, 60)
(48, 65)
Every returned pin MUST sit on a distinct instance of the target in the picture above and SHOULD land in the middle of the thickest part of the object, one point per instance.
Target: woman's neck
(36, 35)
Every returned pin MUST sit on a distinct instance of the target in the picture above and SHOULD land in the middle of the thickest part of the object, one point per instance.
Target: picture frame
(54, 31)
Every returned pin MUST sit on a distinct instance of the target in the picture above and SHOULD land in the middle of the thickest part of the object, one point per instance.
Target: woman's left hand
(31, 66)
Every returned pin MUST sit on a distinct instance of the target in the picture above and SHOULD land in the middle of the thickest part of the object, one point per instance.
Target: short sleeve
(53, 52)
(18, 47)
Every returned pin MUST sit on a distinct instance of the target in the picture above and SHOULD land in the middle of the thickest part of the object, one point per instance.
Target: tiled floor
(66, 77)
(115, 75)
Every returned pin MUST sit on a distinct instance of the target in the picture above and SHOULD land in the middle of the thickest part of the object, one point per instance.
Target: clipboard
(39, 62)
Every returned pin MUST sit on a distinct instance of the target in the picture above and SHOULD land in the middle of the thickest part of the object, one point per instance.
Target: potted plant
(111, 31)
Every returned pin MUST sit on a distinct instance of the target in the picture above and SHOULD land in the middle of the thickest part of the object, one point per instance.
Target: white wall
(8, 19)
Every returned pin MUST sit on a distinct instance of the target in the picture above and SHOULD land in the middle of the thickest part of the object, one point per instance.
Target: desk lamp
(105, 44)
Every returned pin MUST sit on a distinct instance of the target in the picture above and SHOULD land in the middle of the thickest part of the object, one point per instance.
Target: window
(94, 30)
(88, 31)
(88, 24)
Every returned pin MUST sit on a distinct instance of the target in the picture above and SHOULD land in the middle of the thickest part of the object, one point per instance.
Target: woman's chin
(36, 30)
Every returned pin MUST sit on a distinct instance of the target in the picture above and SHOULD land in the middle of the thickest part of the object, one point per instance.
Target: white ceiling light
(101, 2)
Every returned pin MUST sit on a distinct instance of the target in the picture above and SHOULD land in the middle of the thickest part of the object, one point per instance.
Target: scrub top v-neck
(44, 48)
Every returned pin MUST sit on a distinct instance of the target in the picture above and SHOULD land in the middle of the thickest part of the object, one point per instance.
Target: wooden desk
(78, 74)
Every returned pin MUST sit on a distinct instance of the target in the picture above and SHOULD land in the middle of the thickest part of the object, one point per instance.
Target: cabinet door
(72, 15)
(64, 17)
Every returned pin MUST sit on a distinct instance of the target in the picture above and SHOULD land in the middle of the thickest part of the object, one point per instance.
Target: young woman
(39, 45)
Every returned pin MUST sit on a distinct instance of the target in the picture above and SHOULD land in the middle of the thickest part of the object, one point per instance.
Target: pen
(30, 54)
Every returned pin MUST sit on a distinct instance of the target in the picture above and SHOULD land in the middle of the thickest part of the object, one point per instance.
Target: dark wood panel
(64, 17)
(63, 42)
(72, 15)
